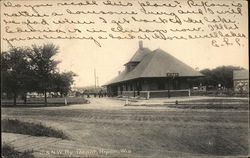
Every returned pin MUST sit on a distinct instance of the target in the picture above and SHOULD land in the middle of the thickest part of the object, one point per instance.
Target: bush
(9, 152)
(16, 126)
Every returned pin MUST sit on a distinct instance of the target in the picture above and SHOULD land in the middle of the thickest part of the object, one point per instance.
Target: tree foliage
(33, 69)
(43, 65)
(15, 72)
(221, 75)
(62, 82)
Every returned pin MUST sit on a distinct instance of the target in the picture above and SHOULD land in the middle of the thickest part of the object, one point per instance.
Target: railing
(157, 93)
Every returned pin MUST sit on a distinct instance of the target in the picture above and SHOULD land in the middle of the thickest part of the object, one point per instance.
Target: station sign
(172, 74)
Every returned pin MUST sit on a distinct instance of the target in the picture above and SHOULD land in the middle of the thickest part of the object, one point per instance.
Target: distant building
(153, 74)
(241, 80)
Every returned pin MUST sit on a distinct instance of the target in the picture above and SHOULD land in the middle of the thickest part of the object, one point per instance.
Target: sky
(108, 61)
(84, 57)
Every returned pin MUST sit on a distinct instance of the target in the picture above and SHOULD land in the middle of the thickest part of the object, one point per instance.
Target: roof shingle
(155, 64)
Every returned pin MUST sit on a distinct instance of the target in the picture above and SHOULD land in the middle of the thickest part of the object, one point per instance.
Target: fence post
(148, 95)
(65, 100)
(126, 101)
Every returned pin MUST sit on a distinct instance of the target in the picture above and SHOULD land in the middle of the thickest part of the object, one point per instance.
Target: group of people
(100, 94)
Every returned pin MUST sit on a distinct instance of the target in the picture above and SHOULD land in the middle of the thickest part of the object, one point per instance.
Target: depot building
(152, 74)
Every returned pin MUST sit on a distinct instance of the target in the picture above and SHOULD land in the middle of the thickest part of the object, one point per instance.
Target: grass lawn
(209, 106)
(218, 100)
(146, 132)
(217, 104)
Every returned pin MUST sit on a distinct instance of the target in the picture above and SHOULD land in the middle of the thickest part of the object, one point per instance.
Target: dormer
(137, 57)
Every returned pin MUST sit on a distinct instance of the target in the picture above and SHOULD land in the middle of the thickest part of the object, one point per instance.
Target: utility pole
(97, 81)
(95, 78)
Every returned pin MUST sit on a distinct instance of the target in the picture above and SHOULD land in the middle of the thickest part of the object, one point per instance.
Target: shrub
(16, 126)
(9, 152)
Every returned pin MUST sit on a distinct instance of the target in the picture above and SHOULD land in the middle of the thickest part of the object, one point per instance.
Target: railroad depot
(152, 74)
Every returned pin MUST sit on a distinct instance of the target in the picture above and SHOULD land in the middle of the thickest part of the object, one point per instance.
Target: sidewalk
(54, 147)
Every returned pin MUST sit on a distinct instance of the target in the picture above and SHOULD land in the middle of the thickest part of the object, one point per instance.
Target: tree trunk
(25, 98)
(14, 103)
(45, 98)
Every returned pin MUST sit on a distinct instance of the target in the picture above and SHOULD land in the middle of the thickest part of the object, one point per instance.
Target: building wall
(145, 86)
(184, 84)
(139, 86)
(241, 80)
(241, 85)
(168, 85)
(153, 86)
(165, 84)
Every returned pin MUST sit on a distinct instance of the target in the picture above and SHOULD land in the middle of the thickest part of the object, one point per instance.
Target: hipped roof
(155, 64)
(139, 54)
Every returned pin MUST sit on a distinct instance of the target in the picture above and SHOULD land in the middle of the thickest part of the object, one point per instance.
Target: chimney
(140, 44)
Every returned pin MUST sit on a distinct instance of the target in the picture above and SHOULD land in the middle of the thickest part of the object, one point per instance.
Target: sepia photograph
(124, 78)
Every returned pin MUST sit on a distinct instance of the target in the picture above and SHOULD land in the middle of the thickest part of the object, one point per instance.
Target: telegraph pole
(95, 78)
(97, 81)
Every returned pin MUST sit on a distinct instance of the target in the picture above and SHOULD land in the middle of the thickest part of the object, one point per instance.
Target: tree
(221, 75)
(33, 70)
(15, 72)
(44, 66)
(62, 82)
